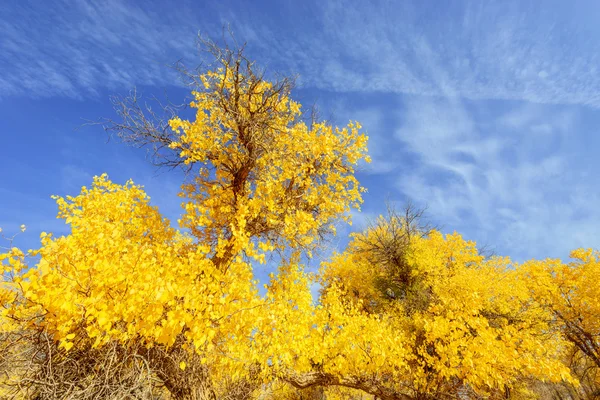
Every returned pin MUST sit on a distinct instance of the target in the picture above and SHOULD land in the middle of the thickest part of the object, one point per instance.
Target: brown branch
(367, 385)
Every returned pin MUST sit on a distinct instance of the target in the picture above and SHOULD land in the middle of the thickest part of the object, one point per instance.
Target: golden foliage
(465, 323)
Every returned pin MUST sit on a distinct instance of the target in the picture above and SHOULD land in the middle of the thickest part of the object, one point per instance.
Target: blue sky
(485, 111)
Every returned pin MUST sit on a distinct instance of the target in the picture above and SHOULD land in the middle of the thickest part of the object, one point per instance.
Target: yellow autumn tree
(183, 307)
(407, 314)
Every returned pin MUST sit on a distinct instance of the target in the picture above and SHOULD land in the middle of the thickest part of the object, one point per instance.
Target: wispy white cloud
(501, 178)
(76, 48)
(475, 50)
